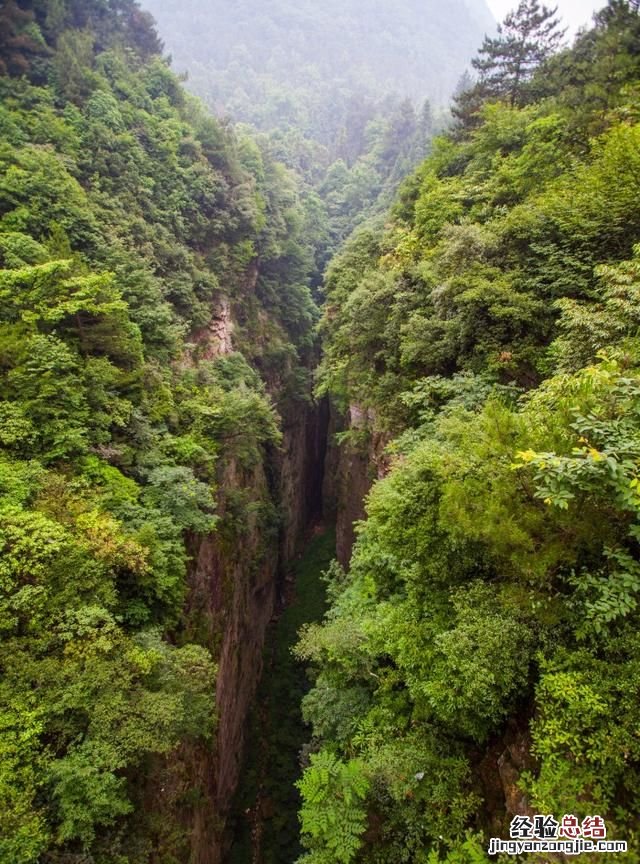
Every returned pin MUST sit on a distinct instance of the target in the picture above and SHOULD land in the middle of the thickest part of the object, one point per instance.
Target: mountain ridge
(362, 41)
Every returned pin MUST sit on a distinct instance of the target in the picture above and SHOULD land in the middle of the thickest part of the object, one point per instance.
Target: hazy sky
(574, 12)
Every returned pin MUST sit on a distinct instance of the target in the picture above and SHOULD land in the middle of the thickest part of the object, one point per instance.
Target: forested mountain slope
(481, 657)
(347, 94)
(161, 452)
(276, 62)
(151, 263)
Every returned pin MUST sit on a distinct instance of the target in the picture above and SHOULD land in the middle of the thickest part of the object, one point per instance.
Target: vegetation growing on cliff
(488, 330)
(491, 330)
(265, 821)
(127, 216)
(347, 94)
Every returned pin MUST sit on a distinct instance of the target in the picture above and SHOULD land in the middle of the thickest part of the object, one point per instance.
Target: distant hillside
(278, 62)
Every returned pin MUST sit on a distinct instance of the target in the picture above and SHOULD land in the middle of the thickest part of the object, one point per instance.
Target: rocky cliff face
(236, 580)
(242, 587)
(234, 585)
(352, 467)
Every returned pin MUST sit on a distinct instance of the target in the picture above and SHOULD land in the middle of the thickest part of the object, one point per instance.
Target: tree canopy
(506, 63)
(478, 659)
(129, 221)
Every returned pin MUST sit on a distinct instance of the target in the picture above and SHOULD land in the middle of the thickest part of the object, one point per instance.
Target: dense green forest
(318, 67)
(125, 212)
(170, 282)
(490, 330)
(347, 94)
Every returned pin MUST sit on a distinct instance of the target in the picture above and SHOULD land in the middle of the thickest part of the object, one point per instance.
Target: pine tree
(505, 63)
(468, 99)
(527, 37)
(616, 9)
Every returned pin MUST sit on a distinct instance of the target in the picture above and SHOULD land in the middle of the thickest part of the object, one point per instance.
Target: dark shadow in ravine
(264, 823)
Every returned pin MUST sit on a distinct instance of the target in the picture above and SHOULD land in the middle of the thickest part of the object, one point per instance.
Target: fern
(333, 814)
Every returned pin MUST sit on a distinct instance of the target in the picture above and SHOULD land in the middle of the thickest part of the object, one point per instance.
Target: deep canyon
(319, 430)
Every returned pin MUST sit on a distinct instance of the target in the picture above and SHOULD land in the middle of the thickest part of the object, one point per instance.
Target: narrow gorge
(319, 432)
(237, 586)
(250, 591)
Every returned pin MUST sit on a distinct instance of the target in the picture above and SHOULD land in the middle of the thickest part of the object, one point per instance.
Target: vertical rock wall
(234, 586)
(352, 467)
(240, 583)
